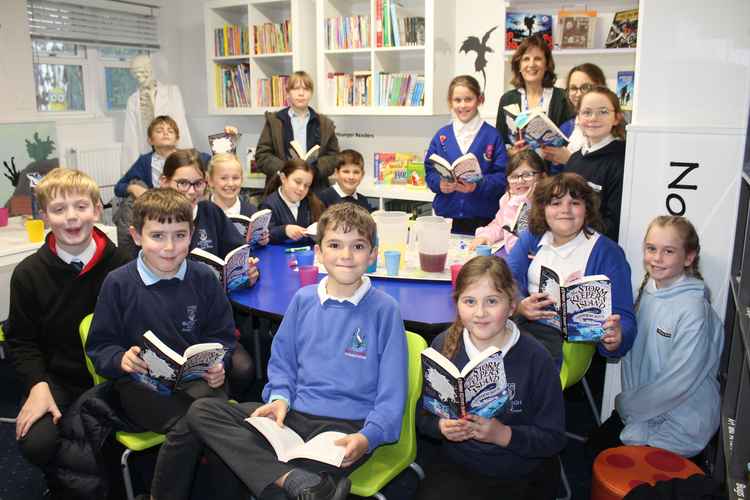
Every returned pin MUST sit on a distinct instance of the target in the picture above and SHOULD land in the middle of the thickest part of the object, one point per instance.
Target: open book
(464, 169)
(223, 143)
(582, 306)
(252, 227)
(231, 271)
(538, 130)
(168, 369)
(298, 152)
(520, 221)
(288, 445)
(312, 230)
(480, 388)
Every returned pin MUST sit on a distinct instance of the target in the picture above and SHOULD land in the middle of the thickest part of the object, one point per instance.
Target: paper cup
(308, 275)
(455, 269)
(305, 258)
(3, 216)
(35, 230)
(392, 262)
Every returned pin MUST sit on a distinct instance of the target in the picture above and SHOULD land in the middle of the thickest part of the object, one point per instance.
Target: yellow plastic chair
(132, 441)
(389, 460)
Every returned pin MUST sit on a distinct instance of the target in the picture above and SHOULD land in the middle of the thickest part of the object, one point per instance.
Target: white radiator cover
(101, 162)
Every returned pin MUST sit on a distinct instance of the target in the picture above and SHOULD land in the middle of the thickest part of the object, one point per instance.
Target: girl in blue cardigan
(470, 205)
(561, 236)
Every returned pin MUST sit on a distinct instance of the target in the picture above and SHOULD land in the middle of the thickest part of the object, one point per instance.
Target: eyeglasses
(184, 185)
(526, 176)
(582, 89)
(601, 112)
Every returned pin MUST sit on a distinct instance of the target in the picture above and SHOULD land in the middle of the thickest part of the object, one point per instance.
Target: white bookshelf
(252, 13)
(422, 60)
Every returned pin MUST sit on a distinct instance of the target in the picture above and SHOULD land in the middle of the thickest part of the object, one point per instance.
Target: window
(119, 84)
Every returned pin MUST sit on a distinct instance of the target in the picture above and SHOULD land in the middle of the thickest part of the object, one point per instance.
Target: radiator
(101, 162)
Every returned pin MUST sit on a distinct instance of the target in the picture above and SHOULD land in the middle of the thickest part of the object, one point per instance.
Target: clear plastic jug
(431, 237)
(393, 231)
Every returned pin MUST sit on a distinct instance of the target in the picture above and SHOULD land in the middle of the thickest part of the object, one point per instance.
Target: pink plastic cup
(3, 216)
(308, 275)
(455, 269)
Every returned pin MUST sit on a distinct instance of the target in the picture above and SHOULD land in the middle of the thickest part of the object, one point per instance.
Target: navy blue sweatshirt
(214, 232)
(281, 216)
(330, 196)
(535, 414)
(179, 312)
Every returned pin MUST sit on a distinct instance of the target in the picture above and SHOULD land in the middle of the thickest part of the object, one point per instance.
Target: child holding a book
(51, 291)
(178, 300)
(350, 170)
(563, 236)
(302, 124)
(349, 376)
(469, 204)
(525, 169)
(292, 203)
(601, 161)
(670, 390)
(513, 454)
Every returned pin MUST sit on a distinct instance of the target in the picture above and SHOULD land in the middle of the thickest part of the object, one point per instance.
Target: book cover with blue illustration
(231, 271)
(625, 86)
(522, 25)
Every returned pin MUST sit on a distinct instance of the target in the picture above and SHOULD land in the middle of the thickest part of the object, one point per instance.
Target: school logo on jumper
(516, 405)
(357, 346)
(443, 139)
(189, 324)
(663, 333)
(489, 151)
(203, 241)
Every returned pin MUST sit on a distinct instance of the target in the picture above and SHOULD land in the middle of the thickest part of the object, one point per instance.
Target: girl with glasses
(601, 160)
(525, 169)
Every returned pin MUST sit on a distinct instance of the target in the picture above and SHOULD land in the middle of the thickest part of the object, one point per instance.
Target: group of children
(350, 374)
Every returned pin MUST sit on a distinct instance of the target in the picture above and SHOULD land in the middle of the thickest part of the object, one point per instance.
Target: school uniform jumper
(606, 258)
(214, 232)
(603, 169)
(482, 202)
(670, 391)
(281, 216)
(330, 196)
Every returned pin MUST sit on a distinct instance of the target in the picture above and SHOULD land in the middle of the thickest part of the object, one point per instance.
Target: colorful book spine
(231, 40)
(272, 38)
(347, 32)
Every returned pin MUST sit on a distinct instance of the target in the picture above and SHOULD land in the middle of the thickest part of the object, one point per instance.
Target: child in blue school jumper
(510, 456)
(293, 205)
(181, 301)
(470, 205)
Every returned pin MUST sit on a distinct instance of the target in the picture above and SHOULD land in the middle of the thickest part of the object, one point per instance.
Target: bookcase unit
(413, 59)
(246, 15)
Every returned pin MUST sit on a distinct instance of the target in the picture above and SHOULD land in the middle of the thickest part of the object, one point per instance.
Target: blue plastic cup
(484, 250)
(392, 262)
(305, 258)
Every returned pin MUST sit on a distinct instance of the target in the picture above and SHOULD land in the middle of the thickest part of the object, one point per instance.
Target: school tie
(77, 265)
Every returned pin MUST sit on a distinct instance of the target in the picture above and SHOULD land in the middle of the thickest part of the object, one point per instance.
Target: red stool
(619, 470)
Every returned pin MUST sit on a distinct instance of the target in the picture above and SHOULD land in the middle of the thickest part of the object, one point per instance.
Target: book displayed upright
(231, 271)
(252, 227)
(399, 168)
(577, 29)
(581, 306)
(625, 86)
(167, 369)
(223, 143)
(522, 25)
(624, 30)
(480, 388)
(464, 169)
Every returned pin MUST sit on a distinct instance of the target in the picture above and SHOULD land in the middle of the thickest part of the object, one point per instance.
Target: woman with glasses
(601, 160)
(581, 79)
(533, 78)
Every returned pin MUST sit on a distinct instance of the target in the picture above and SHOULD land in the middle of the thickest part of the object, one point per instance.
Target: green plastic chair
(389, 460)
(132, 441)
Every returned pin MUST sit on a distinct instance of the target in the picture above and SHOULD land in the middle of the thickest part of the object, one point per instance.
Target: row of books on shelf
(232, 85)
(359, 88)
(272, 38)
(348, 32)
(272, 91)
(575, 29)
(231, 40)
(399, 168)
(392, 29)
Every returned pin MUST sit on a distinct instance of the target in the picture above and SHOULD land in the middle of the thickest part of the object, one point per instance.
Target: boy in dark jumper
(350, 169)
(51, 291)
(349, 376)
(181, 301)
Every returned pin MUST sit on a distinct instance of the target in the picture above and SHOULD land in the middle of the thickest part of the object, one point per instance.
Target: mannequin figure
(152, 99)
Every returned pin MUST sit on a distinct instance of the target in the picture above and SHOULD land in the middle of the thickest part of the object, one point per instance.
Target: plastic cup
(308, 275)
(455, 269)
(392, 262)
(35, 230)
(484, 250)
(3, 216)
(305, 258)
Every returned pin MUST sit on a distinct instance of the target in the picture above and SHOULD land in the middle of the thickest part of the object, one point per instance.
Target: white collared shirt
(293, 207)
(157, 167)
(586, 148)
(565, 260)
(299, 126)
(472, 351)
(341, 192)
(233, 210)
(546, 99)
(84, 257)
(466, 132)
(354, 299)
(149, 277)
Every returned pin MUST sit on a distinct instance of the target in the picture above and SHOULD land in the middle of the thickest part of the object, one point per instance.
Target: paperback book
(521, 221)
(577, 29)
(298, 152)
(223, 143)
(522, 25)
(480, 388)
(167, 369)
(624, 30)
(231, 271)
(464, 169)
(537, 130)
(397, 168)
(252, 227)
(581, 306)
(625, 85)
(288, 445)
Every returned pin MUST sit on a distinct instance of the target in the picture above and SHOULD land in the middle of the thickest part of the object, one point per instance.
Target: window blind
(95, 23)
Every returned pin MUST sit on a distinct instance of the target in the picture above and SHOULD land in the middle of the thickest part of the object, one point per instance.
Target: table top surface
(425, 302)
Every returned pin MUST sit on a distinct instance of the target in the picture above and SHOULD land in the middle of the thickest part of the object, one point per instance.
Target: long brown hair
(537, 41)
(618, 130)
(183, 158)
(478, 267)
(290, 166)
(691, 244)
(558, 186)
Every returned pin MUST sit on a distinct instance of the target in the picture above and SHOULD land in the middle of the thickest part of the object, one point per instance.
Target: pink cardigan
(504, 217)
